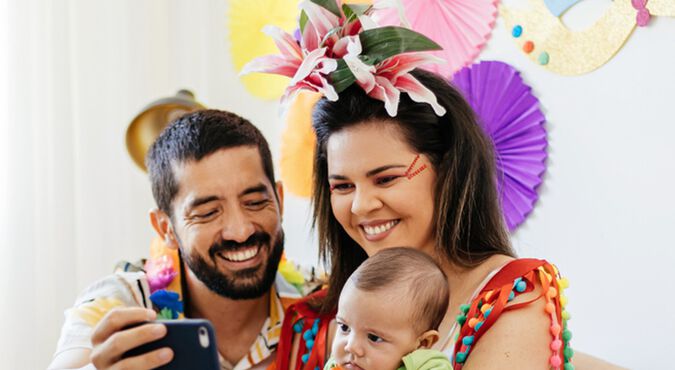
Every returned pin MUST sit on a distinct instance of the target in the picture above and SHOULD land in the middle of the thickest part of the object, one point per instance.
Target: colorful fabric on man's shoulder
(517, 277)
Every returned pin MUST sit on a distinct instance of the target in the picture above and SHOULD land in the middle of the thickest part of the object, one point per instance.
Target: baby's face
(374, 330)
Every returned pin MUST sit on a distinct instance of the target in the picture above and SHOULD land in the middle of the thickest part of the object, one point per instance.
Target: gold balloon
(148, 124)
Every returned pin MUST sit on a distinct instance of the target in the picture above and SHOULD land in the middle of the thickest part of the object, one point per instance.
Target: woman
(401, 161)
(428, 182)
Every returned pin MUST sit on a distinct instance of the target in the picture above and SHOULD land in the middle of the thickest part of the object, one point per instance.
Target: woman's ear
(161, 222)
(427, 339)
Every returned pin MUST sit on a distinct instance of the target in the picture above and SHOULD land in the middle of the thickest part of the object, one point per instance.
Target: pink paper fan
(461, 27)
(510, 115)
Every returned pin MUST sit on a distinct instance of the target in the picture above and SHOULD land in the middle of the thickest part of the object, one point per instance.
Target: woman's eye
(341, 187)
(374, 338)
(386, 179)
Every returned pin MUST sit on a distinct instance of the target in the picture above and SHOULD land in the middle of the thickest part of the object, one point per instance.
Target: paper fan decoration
(510, 115)
(297, 145)
(246, 19)
(461, 27)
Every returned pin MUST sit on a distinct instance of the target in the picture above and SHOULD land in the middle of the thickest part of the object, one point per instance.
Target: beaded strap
(516, 278)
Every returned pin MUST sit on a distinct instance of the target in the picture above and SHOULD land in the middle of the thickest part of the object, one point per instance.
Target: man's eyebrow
(202, 200)
(259, 188)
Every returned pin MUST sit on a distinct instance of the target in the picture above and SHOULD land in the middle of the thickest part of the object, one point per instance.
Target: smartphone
(193, 343)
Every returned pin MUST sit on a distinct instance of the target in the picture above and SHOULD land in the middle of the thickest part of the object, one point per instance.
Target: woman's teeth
(241, 254)
(374, 230)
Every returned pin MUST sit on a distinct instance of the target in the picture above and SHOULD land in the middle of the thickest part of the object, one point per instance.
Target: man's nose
(237, 226)
(365, 201)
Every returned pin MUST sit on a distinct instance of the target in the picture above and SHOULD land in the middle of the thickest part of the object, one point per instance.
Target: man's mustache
(256, 239)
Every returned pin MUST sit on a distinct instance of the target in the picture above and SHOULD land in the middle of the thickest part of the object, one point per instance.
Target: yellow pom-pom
(563, 300)
(563, 283)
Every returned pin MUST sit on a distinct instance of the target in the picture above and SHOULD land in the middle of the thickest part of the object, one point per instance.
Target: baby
(389, 313)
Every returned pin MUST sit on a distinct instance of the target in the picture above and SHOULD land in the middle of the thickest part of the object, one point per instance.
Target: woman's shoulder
(519, 318)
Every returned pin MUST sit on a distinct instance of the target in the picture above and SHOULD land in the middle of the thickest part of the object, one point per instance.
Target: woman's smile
(378, 229)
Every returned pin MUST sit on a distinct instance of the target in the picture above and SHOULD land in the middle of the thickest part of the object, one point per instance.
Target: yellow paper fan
(246, 19)
(297, 145)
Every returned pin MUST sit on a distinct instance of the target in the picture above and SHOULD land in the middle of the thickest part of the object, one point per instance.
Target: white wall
(604, 217)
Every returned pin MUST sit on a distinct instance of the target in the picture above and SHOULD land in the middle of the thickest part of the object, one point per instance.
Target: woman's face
(378, 193)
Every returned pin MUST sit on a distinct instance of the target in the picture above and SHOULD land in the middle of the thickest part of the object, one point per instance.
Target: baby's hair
(425, 284)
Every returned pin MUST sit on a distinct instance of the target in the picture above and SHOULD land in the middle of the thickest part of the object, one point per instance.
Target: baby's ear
(427, 339)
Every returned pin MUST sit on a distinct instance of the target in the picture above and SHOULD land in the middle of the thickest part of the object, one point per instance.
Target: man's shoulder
(129, 288)
(297, 281)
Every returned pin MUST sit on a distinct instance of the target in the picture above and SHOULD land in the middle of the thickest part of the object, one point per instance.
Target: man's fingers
(117, 319)
(110, 352)
(149, 360)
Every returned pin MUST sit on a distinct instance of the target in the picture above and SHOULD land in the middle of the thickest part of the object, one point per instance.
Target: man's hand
(111, 340)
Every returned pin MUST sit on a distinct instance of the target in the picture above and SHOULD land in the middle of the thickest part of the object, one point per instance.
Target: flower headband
(341, 45)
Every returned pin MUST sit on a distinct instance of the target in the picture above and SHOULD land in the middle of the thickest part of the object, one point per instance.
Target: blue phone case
(193, 343)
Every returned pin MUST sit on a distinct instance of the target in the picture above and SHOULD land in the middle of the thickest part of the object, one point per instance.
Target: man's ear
(161, 222)
(280, 197)
(427, 339)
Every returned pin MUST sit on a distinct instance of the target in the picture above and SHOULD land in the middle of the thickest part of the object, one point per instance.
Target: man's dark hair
(193, 137)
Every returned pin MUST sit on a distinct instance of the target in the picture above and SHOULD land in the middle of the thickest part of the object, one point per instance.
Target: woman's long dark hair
(468, 222)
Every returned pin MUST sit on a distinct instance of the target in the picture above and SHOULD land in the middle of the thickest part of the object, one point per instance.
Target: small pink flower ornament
(160, 272)
(342, 45)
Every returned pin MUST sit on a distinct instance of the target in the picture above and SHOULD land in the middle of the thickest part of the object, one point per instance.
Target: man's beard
(243, 284)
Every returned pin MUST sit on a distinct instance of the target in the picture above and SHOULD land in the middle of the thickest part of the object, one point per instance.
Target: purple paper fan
(510, 115)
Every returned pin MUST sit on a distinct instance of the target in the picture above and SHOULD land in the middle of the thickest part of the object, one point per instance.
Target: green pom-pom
(461, 319)
(567, 335)
(464, 308)
(568, 352)
(569, 366)
(460, 358)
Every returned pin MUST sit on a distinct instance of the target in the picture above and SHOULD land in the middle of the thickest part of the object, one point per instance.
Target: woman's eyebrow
(370, 173)
(374, 172)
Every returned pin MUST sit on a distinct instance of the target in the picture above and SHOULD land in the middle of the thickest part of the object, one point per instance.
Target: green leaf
(329, 5)
(354, 10)
(165, 314)
(342, 77)
(384, 42)
(303, 21)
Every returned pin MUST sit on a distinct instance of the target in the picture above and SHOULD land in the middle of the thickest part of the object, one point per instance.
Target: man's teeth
(374, 230)
(240, 255)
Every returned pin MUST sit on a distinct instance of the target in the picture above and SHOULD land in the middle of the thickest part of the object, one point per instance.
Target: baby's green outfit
(421, 359)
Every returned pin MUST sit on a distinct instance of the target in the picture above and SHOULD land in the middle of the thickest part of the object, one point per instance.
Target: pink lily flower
(386, 80)
(307, 69)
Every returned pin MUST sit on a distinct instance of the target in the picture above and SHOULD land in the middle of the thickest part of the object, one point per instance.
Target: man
(220, 207)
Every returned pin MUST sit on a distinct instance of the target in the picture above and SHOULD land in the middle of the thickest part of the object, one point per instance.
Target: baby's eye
(374, 338)
(344, 328)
